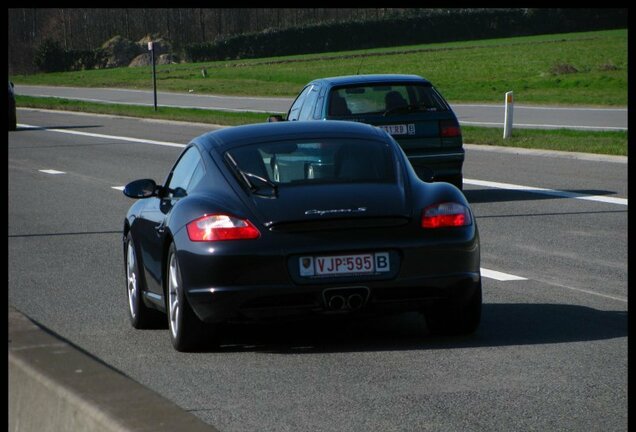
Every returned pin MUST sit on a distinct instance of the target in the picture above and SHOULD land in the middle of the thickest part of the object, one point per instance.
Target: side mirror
(275, 118)
(144, 188)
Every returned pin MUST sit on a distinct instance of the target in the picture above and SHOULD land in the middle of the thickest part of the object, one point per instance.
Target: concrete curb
(54, 386)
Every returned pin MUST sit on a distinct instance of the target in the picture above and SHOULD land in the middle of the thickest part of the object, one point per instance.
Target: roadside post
(508, 115)
(151, 48)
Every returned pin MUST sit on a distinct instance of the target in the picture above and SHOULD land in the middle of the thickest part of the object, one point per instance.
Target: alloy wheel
(173, 296)
(131, 276)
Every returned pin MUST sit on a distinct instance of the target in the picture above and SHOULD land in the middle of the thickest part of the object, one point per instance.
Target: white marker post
(508, 115)
(151, 48)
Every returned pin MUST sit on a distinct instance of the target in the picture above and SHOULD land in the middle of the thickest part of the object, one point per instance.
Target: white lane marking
(112, 137)
(553, 192)
(581, 290)
(504, 277)
(119, 188)
(51, 171)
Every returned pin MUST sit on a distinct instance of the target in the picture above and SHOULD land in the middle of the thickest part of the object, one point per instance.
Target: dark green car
(408, 107)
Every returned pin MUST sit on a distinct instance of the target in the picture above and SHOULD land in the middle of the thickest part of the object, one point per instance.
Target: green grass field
(564, 69)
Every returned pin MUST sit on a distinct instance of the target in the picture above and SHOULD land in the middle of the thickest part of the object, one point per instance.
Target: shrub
(51, 57)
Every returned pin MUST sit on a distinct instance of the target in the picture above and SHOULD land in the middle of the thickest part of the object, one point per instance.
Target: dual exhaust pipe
(346, 299)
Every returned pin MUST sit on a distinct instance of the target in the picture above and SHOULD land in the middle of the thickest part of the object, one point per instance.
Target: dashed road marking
(504, 277)
(51, 171)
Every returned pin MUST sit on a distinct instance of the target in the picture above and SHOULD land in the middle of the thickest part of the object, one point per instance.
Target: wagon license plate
(343, 265)
(399, 129)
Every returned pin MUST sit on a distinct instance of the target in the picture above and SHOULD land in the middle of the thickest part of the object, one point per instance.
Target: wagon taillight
(449, 129)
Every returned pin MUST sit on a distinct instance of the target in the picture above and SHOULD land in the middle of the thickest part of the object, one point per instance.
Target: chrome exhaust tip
(345, 299)
(336, 302)
(355, 301)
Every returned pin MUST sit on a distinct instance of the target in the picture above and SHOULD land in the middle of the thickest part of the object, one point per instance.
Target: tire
(455, 318)
(186, 330)
(141, 317)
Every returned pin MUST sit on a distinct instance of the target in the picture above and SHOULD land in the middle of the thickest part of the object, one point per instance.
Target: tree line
(87, 29)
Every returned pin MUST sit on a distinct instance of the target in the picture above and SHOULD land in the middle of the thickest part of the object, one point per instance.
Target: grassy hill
(571, 69)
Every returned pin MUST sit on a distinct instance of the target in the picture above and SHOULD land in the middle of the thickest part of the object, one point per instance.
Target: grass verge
(598, 142)
(609, 143)
(229, 118)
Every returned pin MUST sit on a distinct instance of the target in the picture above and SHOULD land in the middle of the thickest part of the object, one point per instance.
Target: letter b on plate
(382, 263)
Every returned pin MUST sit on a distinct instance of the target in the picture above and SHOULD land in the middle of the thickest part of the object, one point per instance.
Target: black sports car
(344, 226)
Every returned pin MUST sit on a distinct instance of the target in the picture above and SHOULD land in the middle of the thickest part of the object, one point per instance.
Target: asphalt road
(550, 354)
(488, 115)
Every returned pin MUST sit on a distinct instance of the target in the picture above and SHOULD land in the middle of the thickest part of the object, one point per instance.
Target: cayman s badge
(335, 211)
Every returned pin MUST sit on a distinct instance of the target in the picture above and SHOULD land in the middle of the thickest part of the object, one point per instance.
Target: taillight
(449, 128)
(448, 214)
(218, 227)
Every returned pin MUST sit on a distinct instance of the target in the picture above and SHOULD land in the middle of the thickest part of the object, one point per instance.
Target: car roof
(234, 136)
(371, 78)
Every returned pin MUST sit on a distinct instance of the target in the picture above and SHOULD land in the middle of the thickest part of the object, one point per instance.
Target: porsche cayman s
(294, 219)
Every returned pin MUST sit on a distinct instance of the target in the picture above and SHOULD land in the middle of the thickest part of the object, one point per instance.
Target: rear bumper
(257, 302)
(255, 279)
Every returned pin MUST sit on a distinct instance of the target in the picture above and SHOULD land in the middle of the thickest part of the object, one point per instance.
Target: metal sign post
(151, 48)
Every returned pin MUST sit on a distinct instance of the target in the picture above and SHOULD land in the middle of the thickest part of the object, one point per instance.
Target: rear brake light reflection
(447, 214)
(219, 227)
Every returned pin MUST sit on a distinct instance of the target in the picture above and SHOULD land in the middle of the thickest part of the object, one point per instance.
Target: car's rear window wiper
(250, 177)
(252, 180)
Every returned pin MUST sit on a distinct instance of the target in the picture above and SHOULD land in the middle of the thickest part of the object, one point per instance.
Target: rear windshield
(382, 99)
(316, 161)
